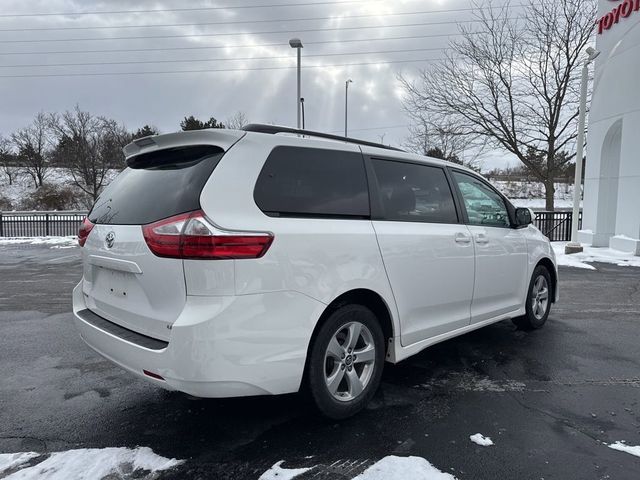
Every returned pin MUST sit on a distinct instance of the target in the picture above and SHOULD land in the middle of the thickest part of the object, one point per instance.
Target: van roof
(225, 138)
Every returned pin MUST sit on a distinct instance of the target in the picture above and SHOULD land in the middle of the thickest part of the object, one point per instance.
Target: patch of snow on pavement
(57, 242)
(481, 440)
(96, 464)
(403, 468)
(594, 254)
(276, 472)
(13, 460)
(622, 447)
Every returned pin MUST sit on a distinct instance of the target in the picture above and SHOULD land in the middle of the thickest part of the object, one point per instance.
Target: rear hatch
(124, 281)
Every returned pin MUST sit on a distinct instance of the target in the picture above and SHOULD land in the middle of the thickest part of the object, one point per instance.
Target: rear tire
(538, 303)
(346, 361)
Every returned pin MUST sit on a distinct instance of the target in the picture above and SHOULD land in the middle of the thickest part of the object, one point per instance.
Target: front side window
(484, 205)
(312, 182)
(414, 193)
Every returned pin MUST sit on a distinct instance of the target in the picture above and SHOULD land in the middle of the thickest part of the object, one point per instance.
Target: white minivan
(226, 263)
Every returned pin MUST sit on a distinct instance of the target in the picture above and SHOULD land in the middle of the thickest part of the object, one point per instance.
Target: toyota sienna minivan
(227, 263)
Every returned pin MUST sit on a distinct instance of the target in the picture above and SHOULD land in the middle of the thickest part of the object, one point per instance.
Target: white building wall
(612, 175)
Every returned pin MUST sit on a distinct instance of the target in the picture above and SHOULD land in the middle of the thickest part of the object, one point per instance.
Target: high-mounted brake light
(192, 236)
(85, 229)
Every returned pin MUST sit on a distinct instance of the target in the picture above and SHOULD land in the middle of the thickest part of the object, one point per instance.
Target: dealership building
(611, 208)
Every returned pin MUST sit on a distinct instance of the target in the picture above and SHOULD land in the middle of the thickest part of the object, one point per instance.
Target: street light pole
(297, 44)
(346, 103)
(574, 246)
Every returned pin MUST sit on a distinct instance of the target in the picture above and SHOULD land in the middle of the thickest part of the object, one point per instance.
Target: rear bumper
(227, 346)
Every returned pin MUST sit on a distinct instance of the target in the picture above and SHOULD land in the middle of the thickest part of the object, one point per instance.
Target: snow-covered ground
(592, 254)
(403, 468)
(277, 472)
(623, 447)
(86, 464)
(539, 203)
(23, 186)
(481, 440)
(53, 242)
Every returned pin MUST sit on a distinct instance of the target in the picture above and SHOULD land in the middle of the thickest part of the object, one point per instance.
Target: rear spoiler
(219, 137)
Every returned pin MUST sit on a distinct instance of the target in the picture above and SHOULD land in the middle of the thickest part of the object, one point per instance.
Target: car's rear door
(427, 252)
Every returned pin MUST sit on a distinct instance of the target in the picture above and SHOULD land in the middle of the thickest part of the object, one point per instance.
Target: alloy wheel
(349, 361)
(540, 297)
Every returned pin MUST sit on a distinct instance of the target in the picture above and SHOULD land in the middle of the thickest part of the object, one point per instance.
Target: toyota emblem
(109, 239)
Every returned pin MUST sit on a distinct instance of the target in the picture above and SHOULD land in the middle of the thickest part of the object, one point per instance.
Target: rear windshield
(157, 185)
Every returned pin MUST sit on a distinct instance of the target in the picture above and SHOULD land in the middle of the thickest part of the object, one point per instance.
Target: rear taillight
(85, 229)
(192, 236)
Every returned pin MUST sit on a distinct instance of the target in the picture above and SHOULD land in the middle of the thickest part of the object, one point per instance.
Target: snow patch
(403, 468)
(57, 242)
(593, 254)
(623, 447)
(481, 440)
(92, 464)
(13, 460)
(276, 472)
(540, 203)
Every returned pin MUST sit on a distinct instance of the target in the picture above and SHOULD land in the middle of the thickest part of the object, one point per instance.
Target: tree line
(87, 145)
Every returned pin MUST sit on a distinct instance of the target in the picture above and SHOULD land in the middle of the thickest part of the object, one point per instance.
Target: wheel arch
(361, 296)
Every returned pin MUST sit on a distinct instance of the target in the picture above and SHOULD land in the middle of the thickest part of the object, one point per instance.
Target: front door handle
(462, 238)
(481, 238)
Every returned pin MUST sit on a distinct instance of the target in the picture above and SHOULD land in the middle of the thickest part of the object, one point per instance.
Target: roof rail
(273, 129)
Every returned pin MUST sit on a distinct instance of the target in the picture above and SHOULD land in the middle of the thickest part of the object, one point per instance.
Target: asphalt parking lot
(551, 400)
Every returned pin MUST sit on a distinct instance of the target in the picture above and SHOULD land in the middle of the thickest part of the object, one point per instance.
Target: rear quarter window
(157, 185)
(310, 182)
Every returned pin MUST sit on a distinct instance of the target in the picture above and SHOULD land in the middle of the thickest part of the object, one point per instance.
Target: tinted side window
(484, 205)
(298, 181)
(414, 193)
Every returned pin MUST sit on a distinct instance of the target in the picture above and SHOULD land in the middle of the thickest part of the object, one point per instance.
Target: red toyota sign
(623, 10)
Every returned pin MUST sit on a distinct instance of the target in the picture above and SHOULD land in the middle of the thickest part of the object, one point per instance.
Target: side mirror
(524, 217)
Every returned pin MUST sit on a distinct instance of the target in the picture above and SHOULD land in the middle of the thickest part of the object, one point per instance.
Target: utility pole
(574, 246)
(346, 103)
(297, 44)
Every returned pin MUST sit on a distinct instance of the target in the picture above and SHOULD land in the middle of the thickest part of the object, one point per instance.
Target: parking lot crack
(557, 418)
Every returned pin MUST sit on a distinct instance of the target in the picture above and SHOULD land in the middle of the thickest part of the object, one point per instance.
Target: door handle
(462, 238)
(482, 238)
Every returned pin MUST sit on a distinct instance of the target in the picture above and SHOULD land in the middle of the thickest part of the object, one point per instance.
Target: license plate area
(115, 284)
(118, 283)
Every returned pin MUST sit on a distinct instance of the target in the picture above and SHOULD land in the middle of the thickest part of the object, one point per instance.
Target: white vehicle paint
(228, 298)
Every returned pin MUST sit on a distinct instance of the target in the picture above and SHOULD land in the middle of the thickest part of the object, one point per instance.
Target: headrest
(401, 200)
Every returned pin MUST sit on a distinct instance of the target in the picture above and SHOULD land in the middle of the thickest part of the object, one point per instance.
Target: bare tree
(88, 146)
(514, 80)
(446, 141)
(236, 121)
(33, 145)
(8, 161)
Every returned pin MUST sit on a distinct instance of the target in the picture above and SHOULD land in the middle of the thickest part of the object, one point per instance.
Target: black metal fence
(40, 224)
(556, 225)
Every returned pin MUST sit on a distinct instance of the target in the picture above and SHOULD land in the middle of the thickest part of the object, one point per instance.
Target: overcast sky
(220, 49)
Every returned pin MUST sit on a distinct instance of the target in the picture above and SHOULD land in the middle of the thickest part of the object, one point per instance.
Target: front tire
(538, 303)
(346, 361)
